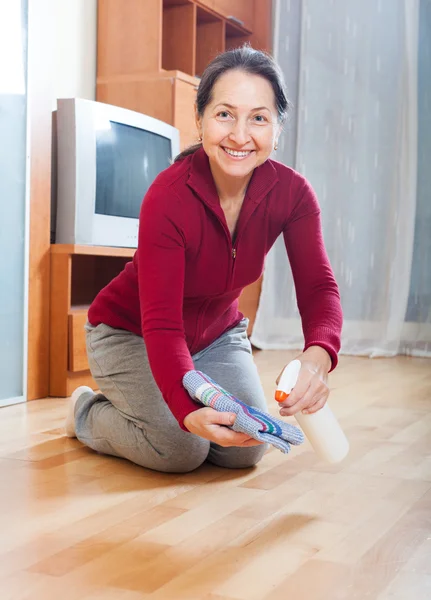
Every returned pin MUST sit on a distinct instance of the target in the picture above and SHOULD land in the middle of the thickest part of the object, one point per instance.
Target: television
(107, 158)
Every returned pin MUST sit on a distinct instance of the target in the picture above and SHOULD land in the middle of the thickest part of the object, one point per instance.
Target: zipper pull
(234, 253)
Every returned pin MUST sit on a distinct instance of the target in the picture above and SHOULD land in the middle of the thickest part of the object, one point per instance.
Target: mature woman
(206, 225)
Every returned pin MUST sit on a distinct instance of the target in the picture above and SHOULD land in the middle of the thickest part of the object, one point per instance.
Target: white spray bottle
(321, 428)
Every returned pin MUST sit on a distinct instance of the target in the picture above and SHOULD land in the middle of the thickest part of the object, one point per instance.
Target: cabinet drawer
(77, 359)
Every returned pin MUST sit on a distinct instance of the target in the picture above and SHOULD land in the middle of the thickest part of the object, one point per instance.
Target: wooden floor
(77, 525)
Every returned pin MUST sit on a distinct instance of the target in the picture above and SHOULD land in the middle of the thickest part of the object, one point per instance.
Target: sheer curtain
(357, 75)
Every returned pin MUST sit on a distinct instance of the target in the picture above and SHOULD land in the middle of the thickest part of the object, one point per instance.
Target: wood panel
(233, 40)
(78, 273)
(179, 38)
(261, 37)
(184, 117)
(61, 279)
(129, 36)
(153, 97)
(240, 9)
(92, 250)
(77, 347)
(84, 526)
(40, 94)
(210, 41)
(206, 3)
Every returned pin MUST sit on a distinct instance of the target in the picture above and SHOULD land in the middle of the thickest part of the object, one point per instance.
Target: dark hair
(248, 60)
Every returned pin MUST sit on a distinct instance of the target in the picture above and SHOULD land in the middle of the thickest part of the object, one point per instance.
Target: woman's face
(239, 127)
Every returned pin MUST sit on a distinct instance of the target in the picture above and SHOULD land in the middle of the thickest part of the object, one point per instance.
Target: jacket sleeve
(161, 268)
(317, 292)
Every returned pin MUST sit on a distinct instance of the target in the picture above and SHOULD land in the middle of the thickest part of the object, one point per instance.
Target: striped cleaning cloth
(254, 422)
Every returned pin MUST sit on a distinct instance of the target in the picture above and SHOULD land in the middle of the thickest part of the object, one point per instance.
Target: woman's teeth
(238, 154)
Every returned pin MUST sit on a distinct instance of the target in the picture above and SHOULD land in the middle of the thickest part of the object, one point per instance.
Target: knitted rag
(254, 422)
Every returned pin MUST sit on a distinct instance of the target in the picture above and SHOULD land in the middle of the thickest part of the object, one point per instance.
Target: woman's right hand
(211, 425)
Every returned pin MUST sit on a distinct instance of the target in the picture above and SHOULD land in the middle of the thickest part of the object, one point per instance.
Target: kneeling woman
(206, 225)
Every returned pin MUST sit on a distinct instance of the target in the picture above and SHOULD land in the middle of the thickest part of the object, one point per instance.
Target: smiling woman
(206, 225)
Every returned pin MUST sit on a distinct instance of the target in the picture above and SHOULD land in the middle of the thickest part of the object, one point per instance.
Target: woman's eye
(223, 114)
(260, 119)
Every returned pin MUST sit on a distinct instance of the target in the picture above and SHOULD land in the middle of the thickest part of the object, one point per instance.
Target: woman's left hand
(311, 390)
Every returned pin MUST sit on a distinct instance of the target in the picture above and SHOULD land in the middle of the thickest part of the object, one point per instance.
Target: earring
(275, 146)
(200, 138)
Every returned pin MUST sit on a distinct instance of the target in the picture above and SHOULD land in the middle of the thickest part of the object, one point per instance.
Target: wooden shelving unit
(78, 273)
(151, 53)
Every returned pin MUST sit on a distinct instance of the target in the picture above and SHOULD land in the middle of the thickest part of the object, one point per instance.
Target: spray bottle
(321, 428)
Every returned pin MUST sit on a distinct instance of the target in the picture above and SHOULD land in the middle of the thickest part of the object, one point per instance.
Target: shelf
(78, 309)
(194, 34)
(91, 273)
(169, 3)
(92, 250)
(147, 36)
(179, 36)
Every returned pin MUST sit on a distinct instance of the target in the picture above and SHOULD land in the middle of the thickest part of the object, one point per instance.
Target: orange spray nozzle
(281, 396)
(287, 380)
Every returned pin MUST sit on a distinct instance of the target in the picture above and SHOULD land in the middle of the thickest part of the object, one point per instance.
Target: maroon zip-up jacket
(180, 291)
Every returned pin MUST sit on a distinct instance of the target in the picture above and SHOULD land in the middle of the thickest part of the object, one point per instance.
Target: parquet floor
(77, 525)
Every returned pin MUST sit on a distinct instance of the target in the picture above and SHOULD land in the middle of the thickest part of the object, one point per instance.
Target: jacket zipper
(234, 253)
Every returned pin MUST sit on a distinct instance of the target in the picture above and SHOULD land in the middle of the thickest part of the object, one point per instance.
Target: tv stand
(78, 273)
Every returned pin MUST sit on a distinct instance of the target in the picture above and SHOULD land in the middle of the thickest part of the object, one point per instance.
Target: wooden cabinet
(152, 52)
(147, 36)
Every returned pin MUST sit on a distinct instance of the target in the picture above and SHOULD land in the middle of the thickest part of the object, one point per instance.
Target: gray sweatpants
(130, 419)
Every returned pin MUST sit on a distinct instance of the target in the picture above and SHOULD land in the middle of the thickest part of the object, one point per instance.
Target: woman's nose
(240, 134)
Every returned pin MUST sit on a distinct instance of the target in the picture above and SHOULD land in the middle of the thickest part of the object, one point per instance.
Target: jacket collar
(200, 179)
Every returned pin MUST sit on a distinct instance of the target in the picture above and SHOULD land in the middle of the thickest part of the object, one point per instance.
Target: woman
(206, 225)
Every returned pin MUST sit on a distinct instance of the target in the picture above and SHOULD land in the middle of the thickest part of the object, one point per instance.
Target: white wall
(67, 29)
(75, 48)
